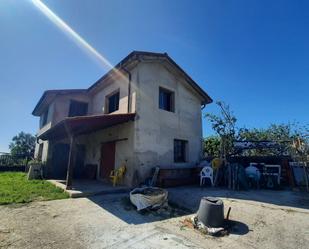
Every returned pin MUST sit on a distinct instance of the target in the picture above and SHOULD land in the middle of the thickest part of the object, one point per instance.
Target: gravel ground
(110, 222)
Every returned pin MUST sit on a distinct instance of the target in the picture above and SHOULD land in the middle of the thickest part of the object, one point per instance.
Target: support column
(71, 162)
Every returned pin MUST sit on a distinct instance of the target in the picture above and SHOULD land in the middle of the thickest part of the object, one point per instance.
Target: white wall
(156, 129)
(124, 153)
(98, 98)
(151, 136)
(62, 105)
(49, 122)
(58, 110)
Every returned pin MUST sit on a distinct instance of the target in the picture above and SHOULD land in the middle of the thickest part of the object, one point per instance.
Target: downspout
(129, 87)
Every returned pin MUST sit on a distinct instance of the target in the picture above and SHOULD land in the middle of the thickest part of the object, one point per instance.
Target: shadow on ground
(185, 201)
(190, 196)
(120, 206)
(237, 227)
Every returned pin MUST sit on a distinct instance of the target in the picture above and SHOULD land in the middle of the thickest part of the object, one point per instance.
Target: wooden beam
(115, 140)
(71, 162)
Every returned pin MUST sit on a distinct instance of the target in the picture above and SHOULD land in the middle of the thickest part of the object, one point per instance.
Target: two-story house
(145, 112)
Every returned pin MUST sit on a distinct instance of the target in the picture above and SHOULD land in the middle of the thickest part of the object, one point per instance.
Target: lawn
(15, 188)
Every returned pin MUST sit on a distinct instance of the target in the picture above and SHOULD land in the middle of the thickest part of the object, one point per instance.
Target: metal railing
(10, 162)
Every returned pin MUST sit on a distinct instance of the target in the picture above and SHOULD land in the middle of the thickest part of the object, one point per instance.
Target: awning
(84, 124)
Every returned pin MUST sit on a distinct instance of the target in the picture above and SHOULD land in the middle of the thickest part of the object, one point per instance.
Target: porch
(68, 155)
(85, 188)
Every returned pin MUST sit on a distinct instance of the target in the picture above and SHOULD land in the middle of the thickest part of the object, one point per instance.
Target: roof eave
(116, 67)
(44, 95)
(93, 124)
(35, 110)
(206, 98)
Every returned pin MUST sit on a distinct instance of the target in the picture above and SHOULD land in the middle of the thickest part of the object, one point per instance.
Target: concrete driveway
(109, 222)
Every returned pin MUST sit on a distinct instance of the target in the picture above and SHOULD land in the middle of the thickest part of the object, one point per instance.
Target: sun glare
(81, 42)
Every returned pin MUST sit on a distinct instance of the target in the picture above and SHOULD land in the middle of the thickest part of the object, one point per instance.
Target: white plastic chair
(206, 172)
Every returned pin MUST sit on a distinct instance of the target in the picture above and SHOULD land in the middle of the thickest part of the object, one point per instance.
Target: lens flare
(80, 41)
(72, 34)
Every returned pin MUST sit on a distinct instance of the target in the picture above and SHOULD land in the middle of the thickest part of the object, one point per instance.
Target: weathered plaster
(156, 129)
(151, 136)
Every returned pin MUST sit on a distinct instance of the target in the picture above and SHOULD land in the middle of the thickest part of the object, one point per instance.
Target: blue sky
(253, 55)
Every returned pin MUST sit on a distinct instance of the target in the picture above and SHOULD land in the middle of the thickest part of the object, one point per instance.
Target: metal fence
(9, 162)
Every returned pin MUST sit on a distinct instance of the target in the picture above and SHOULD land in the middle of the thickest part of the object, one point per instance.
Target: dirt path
(107, 222)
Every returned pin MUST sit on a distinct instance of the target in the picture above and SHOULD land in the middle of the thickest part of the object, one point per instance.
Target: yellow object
(216, 163)
(117, 175)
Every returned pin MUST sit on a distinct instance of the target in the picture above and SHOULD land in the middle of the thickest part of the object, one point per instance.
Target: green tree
(224, 125)
(212, 146)
(23, 145)
(282, 134)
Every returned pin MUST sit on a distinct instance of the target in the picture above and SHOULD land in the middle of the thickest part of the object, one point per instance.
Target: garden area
(15, 188)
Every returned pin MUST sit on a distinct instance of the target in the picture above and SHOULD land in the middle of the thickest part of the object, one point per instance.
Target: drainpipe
(129, 87)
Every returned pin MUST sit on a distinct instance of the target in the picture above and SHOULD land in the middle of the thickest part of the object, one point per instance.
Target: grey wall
(151, 136)
(156, 129)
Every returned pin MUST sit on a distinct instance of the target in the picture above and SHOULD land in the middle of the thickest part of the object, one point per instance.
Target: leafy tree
(23, 145)
(282, 134)
(212, 146)
(224, 125)
(275, 132)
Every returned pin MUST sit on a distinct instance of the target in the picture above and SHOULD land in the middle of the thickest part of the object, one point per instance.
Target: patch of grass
(15, 188)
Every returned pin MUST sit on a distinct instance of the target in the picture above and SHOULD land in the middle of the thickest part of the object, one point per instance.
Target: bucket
(211, 212)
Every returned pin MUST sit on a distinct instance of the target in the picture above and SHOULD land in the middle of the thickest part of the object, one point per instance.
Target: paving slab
(86, 188)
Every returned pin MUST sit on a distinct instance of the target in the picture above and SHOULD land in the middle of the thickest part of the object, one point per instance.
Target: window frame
(184, 148)
(171, 99)
(107, 101)
(40, 152)
(78, 102)
(44, 117)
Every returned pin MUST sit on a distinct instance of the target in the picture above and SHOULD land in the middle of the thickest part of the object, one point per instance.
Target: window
(44, 118)
(112, 102)
(40, 152)
(166, 100)
(180, 148)
(78, 108)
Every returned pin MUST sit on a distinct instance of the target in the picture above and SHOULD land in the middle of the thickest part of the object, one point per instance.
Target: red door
(107, 159)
